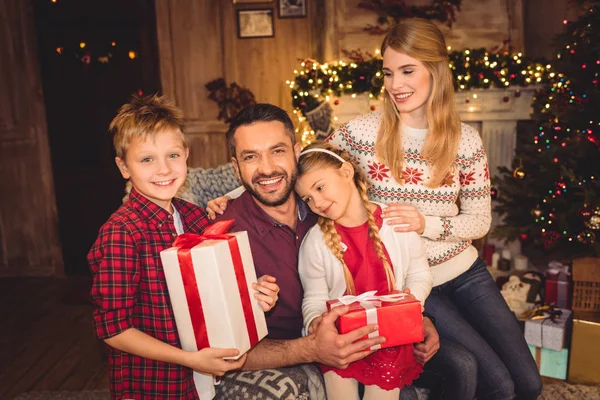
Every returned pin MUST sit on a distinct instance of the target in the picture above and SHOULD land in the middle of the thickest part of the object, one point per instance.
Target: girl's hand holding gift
(267, 292)
(405, 218)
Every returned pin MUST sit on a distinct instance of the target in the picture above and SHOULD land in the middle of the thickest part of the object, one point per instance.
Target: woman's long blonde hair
(332, 239)
(422, 40)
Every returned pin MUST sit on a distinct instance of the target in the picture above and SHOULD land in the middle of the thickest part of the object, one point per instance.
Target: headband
(317, 150)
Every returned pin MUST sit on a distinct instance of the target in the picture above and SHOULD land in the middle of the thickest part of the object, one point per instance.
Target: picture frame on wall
(253, 24)
(251, 1)
(292, 8)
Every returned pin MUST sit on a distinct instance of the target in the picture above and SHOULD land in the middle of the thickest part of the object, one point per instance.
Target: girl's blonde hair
(311, 160)
(423, 41)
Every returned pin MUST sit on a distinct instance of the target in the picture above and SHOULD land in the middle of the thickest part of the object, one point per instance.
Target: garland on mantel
(315, 83)
(391, 11)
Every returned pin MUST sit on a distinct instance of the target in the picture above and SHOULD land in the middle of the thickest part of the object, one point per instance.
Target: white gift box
(213, 279)
(547, 333)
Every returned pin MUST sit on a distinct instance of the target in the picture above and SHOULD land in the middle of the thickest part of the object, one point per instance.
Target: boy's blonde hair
(423, 41)
(145, 117)
(308, 161)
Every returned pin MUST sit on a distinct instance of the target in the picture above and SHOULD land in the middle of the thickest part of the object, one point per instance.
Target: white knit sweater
(322, 273)
(449, 227)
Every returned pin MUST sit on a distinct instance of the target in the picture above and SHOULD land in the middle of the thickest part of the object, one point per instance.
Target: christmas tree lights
(556, 204)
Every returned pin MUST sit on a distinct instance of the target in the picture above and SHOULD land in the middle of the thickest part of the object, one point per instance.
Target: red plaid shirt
(130, 291)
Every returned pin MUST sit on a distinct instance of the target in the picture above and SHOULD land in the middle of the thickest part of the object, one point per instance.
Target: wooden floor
(47, 340)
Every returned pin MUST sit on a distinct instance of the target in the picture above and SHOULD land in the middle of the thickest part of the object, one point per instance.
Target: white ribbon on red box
(369, 301)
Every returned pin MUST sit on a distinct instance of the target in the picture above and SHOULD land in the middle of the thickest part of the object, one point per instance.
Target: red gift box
(398, 316)
(558, 285)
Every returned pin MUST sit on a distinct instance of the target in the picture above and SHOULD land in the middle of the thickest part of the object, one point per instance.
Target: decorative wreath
(391, 11)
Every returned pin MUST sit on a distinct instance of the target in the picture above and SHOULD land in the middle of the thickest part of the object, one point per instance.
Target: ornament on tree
(586, 212)
(505, 99)
(519, 172)
(594, 221)
(536, 212)
(523, 236)
(550, 237)
(586, 237)
(494, 193)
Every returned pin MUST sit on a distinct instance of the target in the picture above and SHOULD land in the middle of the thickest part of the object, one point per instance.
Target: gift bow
(185, 243)
(369, 301)
(543, 311)
(558, 269)
(215, 231)
(370, 298)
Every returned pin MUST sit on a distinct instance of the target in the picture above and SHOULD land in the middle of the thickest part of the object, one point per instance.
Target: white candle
(495, 259)
(521, 263)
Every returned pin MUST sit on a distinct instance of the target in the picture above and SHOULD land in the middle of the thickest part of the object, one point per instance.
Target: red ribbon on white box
(369, 301)
(185, 244)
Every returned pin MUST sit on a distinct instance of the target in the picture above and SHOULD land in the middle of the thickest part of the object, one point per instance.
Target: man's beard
(289, 187)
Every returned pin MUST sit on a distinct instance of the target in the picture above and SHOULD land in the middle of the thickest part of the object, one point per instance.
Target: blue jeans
(450, 374)
(470, 311)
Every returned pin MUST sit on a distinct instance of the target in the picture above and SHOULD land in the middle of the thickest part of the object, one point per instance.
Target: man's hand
(211, 361)
(314, 324)
(335, 350)
(425, 350)
(267, 292)
(217, 206)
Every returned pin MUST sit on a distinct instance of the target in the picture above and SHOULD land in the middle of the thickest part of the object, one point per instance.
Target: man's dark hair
(259, 113)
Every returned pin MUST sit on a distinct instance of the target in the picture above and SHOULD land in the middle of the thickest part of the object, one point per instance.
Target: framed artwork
(255, 23)
(250, 1)
(292, 8)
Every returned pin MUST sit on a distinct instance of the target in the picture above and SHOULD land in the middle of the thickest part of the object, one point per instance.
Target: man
(264, 153)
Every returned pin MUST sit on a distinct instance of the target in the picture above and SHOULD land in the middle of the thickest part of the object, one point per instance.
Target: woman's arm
(475, 214)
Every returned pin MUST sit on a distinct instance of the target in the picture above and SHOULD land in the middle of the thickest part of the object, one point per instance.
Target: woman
(432, 171)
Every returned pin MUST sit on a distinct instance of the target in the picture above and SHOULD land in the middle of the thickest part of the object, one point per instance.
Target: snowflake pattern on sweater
(449, 228)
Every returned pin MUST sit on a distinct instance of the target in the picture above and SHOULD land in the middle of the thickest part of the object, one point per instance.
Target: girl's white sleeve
(314, 279)
(418, 276)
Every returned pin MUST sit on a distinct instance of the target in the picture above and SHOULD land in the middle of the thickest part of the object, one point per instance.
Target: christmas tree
(550, 199)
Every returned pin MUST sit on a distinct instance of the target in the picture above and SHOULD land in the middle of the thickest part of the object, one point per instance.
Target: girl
(433, 172)
(351, 251)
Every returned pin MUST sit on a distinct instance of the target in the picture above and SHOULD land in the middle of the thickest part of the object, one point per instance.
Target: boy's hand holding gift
(268, 292)
(212, 361)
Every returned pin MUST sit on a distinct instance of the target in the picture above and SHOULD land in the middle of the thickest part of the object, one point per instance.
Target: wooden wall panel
(264, 64)
(29, 242)
(198, 42)
(478, 24)
(190, 53)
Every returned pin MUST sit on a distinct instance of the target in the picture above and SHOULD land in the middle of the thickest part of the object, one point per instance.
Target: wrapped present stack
(209, 278)
(564, 332)
(398, 316)
(547, 331)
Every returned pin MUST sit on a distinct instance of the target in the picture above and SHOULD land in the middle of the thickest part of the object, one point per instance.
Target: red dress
(388, 368)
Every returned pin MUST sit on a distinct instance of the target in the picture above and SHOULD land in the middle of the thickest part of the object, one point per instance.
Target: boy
(133, 314)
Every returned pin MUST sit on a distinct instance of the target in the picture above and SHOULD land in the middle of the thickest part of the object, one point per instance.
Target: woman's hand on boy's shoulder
(217, 206)
(267, 292)
(212, 361)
